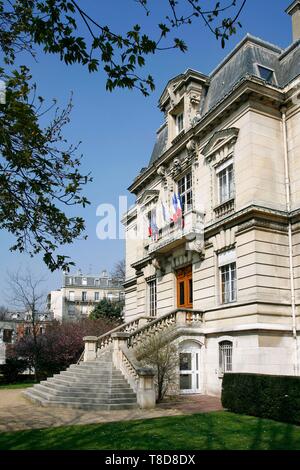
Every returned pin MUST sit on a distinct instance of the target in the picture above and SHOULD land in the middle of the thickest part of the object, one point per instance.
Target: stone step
(90, 377)
(84, 380)
(83, 386)
(96, 367)
(118, 393)
(83, 399)
(83, 405)
(83, 373)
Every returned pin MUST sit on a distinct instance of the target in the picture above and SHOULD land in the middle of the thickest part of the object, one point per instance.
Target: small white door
(189, 362)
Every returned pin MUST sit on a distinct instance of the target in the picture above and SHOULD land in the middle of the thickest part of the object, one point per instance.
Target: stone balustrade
(125, 338)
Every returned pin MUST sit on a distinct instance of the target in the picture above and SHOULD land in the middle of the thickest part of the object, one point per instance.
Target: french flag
(179, 206)
(174, 208)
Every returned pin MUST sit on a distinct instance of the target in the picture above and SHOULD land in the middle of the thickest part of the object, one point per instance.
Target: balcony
(225, 208)
(189, 231)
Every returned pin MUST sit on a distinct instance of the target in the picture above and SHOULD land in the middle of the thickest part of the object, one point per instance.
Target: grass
(15, 386)
(210, 431)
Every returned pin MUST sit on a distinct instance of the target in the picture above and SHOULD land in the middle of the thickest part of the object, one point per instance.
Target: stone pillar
(180, 318)
(146, 396)
(90, 348)
(119, 343)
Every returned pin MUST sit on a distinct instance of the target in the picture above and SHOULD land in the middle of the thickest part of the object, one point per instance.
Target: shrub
(60, 345)
(265, 396)
(12, 368)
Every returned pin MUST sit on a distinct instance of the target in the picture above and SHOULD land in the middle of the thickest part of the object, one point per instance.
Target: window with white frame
(71, 296)
(185, 190)
(96, 296)
(179, 123)
(152, 297)
(225, 356)
(225, 175)
(84, 296)
(84, 281)
(227, 268)
(84, 310)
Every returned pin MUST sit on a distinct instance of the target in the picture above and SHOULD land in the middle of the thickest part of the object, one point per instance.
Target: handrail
(105, 339)
(161, 319)
(131, 369)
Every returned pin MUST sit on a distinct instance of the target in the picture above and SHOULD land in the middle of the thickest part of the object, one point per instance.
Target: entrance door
(189, 362)
(185, 288)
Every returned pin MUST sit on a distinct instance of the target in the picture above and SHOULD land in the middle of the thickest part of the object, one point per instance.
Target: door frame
(184, 277)
(194, 349)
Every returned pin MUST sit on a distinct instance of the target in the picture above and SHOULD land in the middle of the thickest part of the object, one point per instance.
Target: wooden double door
(184, 287)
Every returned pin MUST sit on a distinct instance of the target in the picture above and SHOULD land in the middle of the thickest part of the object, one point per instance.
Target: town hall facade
(228, 151)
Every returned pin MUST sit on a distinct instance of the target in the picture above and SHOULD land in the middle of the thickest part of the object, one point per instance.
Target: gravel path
(18, 413)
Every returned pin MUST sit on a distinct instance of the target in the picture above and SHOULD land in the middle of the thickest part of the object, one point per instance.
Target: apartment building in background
(81, 292)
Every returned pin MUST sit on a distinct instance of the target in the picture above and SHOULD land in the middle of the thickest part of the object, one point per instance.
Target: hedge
(266, 396)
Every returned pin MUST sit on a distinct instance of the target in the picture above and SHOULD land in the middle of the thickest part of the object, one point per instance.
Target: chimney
(294, 11)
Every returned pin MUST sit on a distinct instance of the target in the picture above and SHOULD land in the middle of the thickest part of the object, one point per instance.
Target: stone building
(213, 241)
(215, 230)
(81, 292)
(15, 325)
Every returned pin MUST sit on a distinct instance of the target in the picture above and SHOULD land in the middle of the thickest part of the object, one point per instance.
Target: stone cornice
(250, 217)
(129, 282)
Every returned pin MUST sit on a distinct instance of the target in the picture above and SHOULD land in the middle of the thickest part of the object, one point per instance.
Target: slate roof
(240, 63)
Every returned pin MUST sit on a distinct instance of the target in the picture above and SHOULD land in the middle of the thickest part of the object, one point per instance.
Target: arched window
(225, 356)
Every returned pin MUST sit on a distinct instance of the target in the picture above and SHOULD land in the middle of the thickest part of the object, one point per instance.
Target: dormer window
(267, 74)
(179, 123)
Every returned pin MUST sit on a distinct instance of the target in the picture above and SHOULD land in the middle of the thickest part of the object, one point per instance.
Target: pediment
(149, 195)
(219, 139)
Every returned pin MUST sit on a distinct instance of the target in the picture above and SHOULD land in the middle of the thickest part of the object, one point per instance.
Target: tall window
(84, 310)
(225, 356)
(84, 281)
(152, 289)
(225, 182)
(228, 281)
(186, 192)
(84, 296)
(227, 267)
(97, 296)
(179, 123)
(71, 296)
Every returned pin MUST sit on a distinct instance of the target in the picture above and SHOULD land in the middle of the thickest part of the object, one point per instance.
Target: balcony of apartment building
(186, 230)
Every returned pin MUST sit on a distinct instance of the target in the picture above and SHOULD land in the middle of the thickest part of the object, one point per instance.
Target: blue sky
(117, 130)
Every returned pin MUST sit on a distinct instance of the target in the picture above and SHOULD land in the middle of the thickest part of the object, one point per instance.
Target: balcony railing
(186, 229)
(224, 209)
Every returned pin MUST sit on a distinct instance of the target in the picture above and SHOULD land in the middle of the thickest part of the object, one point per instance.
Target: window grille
(225, 356)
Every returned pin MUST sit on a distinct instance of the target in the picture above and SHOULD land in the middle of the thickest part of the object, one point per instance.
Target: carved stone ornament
(196, 245)
(161, 171)
(158, 264)
(191, 147)
(175, 168)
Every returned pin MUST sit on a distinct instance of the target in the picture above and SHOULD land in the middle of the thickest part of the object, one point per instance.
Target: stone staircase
(108, 377)
(88, 385)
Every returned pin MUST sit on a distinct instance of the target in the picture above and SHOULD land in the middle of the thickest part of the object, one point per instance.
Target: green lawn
(218, 430)
(19, 385)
